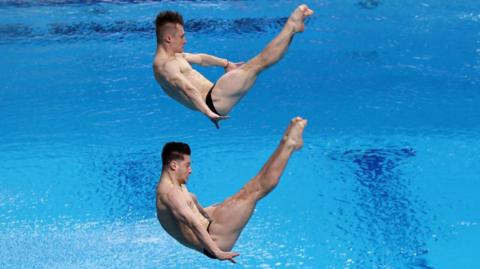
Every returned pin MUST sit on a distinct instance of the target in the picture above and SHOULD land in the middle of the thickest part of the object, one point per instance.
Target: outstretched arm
(209, 60)
(205, 60)
(184, 214)
(178, 80)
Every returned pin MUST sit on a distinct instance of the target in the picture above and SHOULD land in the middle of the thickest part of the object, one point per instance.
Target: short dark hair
(174, 151)
(165, 17)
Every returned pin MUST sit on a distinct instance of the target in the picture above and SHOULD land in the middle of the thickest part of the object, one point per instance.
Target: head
(169, 30)
(176, 160)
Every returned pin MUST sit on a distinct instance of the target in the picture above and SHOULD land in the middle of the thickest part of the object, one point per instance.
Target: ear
(173, 165)
(168, 38)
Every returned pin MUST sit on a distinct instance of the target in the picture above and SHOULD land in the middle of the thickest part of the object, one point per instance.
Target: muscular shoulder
(166, 65)
(173, 197)
(170, 201)
(164, 190)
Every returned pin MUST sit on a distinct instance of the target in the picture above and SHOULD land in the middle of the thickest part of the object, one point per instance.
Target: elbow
(186, 221)
(188, 92)
(202, 59)
(196, 229)
(184, 88)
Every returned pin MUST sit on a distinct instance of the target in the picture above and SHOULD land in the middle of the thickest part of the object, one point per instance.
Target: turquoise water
(388, 177)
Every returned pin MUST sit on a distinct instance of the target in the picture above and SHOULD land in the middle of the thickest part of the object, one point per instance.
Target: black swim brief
(206, 252)
(209, 101)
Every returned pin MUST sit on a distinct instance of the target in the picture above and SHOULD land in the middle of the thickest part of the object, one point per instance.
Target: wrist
(210, 115)
(226, 65)
(217, 253)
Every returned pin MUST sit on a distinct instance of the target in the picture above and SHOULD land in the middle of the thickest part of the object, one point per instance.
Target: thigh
(231, 216)
(231, 87)
(236, 81)
(235, 210)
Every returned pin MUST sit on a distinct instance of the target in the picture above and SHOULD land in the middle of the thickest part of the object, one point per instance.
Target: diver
(173, 71)
(214, 230)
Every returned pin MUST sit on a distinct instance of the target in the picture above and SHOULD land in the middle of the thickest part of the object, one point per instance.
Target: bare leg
(232, 86)
(231, 216)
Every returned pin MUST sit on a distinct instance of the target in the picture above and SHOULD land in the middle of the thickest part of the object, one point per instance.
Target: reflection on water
(368, 4)
(128, 184)
(235, 26)
(121, 29)
(34, 3)
(387, 225)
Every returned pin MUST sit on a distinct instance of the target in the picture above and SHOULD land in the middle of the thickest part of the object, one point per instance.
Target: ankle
(287, 143)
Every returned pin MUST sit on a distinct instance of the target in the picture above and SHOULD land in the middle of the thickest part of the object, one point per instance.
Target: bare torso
(202, 84)
(172, 225)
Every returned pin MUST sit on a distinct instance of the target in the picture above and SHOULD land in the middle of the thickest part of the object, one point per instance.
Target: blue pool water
(388, 176)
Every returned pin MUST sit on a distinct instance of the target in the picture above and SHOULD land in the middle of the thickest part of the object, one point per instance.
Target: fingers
(234, 66)
(233, 255)
(228, 256)
(217, 118)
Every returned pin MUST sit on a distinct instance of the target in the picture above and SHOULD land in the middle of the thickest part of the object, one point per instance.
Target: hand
(216, 118)
(227, 256)
(232, 66)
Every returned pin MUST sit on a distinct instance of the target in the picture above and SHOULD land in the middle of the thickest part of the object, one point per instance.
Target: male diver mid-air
(173, 71)
(214, 230)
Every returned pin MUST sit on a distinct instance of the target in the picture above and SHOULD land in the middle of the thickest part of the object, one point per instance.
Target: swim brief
(209, 101)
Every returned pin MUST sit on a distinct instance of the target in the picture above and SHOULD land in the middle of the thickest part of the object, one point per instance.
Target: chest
(188, 198)
(184, 66)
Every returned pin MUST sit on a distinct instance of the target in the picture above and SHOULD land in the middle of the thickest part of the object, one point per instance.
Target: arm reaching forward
(183, 213)
(209, 60)
(177, 79)
(205, 60)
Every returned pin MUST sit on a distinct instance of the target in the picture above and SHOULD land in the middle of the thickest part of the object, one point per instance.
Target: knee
(252, 190)
(269, 184)
(266, 184)
(258, 64)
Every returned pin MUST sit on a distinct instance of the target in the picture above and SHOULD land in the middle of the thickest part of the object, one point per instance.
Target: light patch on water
(469, 17)
(93, 245)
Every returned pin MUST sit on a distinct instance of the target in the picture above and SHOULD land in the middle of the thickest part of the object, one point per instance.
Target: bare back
(173, 72)
(178, 230)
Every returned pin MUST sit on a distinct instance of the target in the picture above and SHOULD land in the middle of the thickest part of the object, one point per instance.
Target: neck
(163, 49)
(170, 177)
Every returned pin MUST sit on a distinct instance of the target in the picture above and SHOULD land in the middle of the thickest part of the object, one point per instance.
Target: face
(178, 40)
(184, 169)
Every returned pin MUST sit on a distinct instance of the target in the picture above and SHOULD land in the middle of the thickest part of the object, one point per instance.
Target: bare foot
(293, 135)
(298, 17)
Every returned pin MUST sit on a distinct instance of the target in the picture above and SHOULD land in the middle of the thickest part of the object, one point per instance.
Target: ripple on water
(387, 222)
